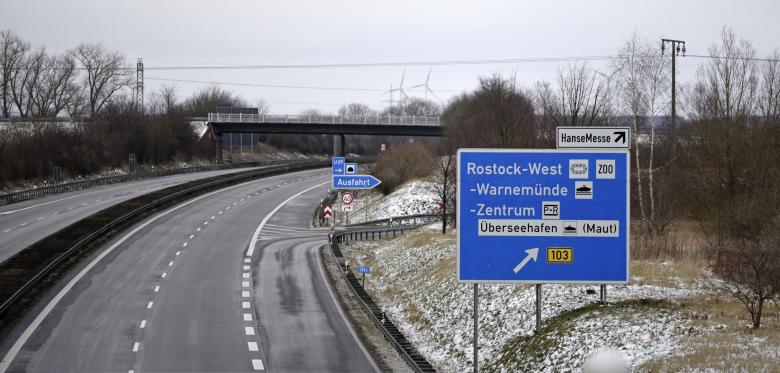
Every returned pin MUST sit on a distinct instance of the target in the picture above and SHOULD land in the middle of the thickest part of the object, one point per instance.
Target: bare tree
(106, 74)
(207, 99)
(769, 93)
(726, 85)
(12, 53)
(583, 97)
(415, 106)
(641, 82)
(750, 270)
(56, 87)
(26, 81)
(497, 114)
(356, 109)
(444, 175)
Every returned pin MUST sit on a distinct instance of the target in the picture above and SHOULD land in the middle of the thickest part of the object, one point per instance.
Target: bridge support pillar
(339, 146)
(218, 148)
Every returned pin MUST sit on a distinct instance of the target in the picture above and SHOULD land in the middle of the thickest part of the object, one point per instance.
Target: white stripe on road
(178, 252)
(248, 330)
(265, 220)
(257, 364)
(245, 275)
(244, 294)
(245, 284)
(143, 324)
(164, 274)
(252, 346)
(170, 264)
(184, 245)
(156, 288)
(135, 346)
(247, 317)
(149, 305)
(28, 332)
(245, 305)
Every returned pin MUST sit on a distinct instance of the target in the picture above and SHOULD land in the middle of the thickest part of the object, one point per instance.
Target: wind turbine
(427, 87)
(401, 92)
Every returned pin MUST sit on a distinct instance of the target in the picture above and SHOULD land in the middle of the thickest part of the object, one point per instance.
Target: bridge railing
(324, 119)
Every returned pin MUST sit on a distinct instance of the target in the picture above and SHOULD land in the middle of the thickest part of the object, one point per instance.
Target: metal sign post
(476, 328)
(538, 307)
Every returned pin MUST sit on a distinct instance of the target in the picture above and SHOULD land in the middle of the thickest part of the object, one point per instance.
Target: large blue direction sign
(543, 216)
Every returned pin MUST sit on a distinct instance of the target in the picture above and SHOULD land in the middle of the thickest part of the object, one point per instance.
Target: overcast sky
(208, 33)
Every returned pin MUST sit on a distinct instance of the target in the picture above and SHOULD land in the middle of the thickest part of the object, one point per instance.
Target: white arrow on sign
(532, 254)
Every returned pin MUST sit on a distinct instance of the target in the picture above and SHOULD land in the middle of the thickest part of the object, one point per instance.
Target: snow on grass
(412, 198)
(414, 279)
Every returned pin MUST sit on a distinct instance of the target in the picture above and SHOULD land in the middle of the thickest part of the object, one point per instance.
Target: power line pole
(139, 85)
(677, 47)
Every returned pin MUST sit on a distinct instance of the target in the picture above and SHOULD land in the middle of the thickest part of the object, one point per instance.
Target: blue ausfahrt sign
(543, 216)
(355, 182)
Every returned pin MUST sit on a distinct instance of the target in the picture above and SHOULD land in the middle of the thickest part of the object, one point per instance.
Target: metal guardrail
(9, 198)
(401, 220)
(405, 348)
(27, 269)
(324, 119)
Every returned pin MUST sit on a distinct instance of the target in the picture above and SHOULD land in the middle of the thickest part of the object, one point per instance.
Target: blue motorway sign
(355, 182)
(364, 269)
(338, 164)
(543, 216)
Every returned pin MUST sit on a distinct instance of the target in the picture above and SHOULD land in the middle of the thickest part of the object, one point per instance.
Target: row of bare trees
(79, 82)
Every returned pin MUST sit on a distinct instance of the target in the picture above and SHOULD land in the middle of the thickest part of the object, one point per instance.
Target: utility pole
(677, 47)
(139, 85)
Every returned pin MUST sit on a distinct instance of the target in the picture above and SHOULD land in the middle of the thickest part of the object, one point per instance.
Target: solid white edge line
(25, 336)
(351, 328)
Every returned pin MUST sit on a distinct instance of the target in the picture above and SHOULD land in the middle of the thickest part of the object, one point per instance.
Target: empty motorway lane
(24, 223)
(214, 284)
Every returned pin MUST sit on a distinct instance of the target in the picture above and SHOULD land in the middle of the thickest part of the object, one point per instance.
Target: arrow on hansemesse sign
(621, 135)
(355, 182)
(532, 254)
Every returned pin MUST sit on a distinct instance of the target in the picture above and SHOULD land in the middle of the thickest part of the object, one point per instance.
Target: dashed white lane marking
(257, 364)
(227, 208)
(219, 213)
(246, 268)
(244, 284)
(178, 252)
(149, 305)
(245, 305)
(157, 288)
(184, 245)
(130, 371)
(247, 260)
(198, 229)
(143, 324)
(205, 223)
(248, 330)
(247, 317)
(164, 274)
(245, 275)
(7, 230)
(135, 346)
(252, 346)
(212, 217)
(36, 322)
(170, 264)
(235, 203)
(24, 224)
(244, 294)
(192, 236)
(41, 218)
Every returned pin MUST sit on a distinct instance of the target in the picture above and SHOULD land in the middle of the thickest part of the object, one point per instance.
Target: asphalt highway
(228, 282)
(24, 223)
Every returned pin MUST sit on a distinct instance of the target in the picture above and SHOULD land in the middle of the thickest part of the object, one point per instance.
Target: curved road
(229, 281)
(24, 223)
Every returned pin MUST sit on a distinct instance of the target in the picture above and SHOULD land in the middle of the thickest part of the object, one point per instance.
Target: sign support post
(364, 281)
(538, 308)
(603, 295)
(476, 328)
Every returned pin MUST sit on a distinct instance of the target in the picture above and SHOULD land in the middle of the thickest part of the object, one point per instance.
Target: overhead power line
(356, 89)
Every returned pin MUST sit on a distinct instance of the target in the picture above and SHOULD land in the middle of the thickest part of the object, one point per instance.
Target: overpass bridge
(339, 125)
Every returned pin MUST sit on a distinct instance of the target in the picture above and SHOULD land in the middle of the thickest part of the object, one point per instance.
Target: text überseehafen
(548, 228)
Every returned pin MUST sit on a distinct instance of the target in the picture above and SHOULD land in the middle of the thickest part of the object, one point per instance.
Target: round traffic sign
(346, 198)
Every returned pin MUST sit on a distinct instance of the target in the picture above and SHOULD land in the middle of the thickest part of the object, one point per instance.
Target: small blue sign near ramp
(364, 269)
(543, 216)
(338, 165)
